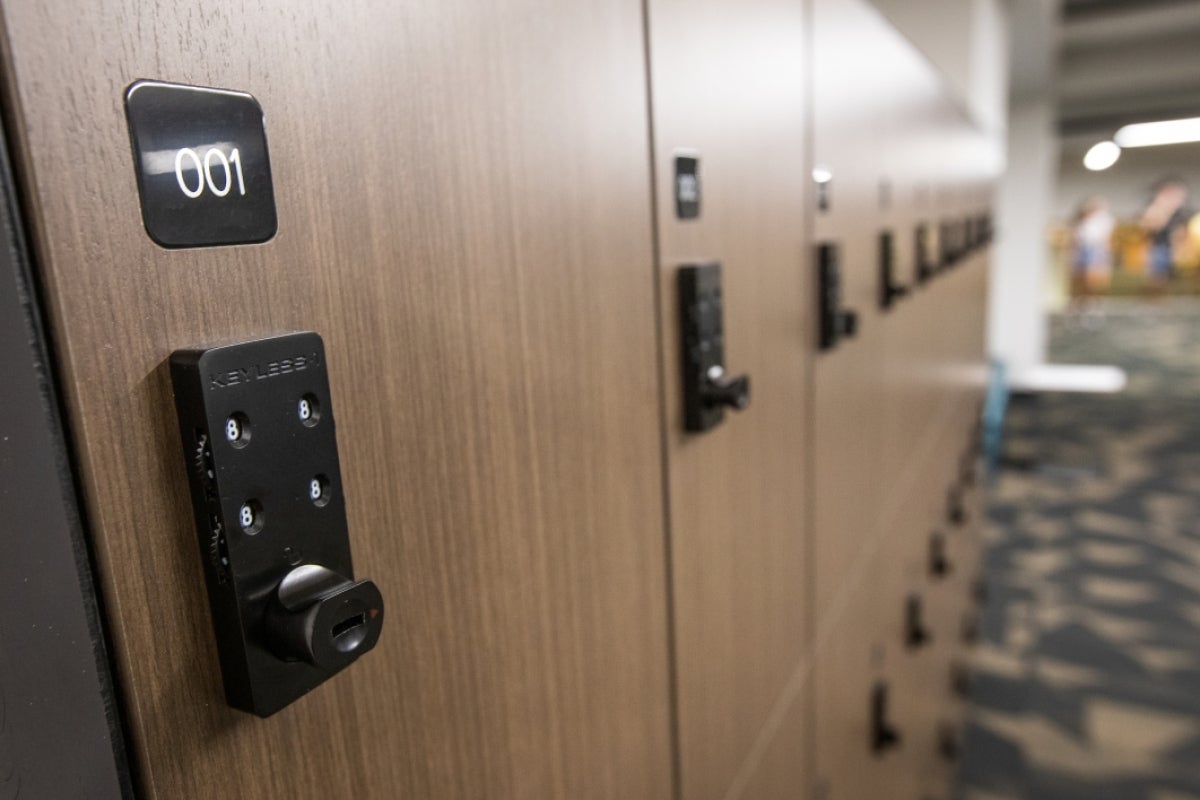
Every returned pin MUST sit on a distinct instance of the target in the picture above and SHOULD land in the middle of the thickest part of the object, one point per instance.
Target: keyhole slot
(350, 632)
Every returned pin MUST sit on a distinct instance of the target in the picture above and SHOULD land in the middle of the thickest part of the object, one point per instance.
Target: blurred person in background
(1165, 221)
(1091, 262)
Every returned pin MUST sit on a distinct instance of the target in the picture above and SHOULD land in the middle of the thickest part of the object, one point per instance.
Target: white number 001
(231, 167)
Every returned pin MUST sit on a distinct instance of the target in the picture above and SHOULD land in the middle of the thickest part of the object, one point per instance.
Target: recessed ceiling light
(1101, 156)
(1149, 134)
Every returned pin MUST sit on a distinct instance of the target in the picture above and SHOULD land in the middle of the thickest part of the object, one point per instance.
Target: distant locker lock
(708, 389)
(890, 290)
(835, 323)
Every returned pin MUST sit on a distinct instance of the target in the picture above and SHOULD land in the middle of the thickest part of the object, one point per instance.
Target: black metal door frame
(60, 729)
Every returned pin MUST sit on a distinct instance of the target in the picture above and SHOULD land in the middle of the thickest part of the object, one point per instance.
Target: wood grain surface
(464, 215)
(728, 81)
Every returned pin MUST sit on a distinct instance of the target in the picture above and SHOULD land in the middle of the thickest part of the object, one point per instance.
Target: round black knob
(720, 389)
(896, 292)
(323, 618)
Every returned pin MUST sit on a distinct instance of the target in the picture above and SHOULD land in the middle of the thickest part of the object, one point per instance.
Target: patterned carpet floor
(1087, 680)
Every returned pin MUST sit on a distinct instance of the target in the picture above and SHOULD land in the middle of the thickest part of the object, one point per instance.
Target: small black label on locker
(202, 167)
(687, 186)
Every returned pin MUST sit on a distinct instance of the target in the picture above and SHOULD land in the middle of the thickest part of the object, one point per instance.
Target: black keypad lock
(985, 229)
(949, 741)
(960, 680)
(939, 557)
(890, 290)
(884, 735)
(835, 323)
(916, 634)
(707, 388)
(257, 425)
(922, 253)
(956, 508)
(949, 253)
(970, 628)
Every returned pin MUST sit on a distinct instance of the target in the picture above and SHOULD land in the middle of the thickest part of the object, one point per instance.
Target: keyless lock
(979, 591)
(923, 253)
(956, 509)
(985, 229)
(835, 322)
(960, 680)
(970, 628)
(939, 560)
(257, 425)
(949, 741)
(889, 289)
(949, 253)
(916, 634)
(968, 472)
(884, 735)
(707, 389)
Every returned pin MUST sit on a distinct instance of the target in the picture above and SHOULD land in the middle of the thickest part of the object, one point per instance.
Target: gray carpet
(1087, 681)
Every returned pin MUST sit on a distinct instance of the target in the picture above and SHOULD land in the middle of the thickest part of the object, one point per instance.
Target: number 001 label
(203, 172)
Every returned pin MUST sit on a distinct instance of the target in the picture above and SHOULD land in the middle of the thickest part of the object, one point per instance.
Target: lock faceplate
(256, 421)
(922, 255)
(707, 389)
(835, 323)
(884, 735)
(890, 290)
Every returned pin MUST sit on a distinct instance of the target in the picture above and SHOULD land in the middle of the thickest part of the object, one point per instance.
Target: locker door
(728, 87)
(850, 400)
(464, 215)
(870, 406)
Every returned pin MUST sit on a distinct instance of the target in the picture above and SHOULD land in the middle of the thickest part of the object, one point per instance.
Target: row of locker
(586, 596)
(896, 412)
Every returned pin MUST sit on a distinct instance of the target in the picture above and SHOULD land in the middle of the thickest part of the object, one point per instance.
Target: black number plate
(202, 167)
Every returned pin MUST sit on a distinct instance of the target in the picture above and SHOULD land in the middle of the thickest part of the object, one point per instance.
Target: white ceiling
(1123, 61)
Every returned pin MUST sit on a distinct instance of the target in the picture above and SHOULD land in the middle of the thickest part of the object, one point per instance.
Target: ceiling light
(822, 175)
(1148, 134)
(1101, 156)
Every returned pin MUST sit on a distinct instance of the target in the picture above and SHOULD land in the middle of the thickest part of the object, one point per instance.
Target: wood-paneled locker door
(464, 215)
(728, 87)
